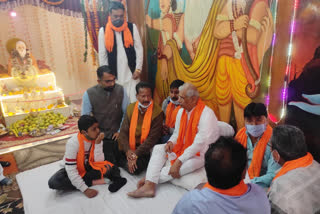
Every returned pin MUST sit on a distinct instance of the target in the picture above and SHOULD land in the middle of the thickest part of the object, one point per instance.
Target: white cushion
(192, 180)
(225, 129)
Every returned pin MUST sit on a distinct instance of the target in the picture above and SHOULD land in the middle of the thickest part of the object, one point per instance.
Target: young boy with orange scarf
(255, 137)
(84, 162)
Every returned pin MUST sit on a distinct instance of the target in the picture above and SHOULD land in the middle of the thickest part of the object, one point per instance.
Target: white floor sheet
(39, 199)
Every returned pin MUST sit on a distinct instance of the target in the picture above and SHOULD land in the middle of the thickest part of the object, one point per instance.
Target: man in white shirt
(196, 127)
(84, 162)
(120, 47)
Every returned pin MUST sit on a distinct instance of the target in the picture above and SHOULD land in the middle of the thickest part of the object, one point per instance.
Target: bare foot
(141, 182)
(98, 182)
(148, 190)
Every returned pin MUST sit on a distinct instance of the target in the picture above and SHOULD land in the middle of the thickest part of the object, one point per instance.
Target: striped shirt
(70, 160)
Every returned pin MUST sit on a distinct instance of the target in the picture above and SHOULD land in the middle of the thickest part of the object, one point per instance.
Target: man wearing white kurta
(125, 53)
(189, 158)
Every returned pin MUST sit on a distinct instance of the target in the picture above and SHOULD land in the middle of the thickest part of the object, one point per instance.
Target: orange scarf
(258, 152)
(237, 190)
(293, 164)
(109, 35)
(145, 125)
(188, 132)
(101, 165)
(171, 114)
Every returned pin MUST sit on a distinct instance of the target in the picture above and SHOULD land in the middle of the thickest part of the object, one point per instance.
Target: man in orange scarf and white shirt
(170, 107)
(140, 130)
(196, 127)
(255, 137)
(296, 187)
(121, 49)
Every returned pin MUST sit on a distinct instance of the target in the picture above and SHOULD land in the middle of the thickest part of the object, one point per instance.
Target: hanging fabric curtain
(65, 7)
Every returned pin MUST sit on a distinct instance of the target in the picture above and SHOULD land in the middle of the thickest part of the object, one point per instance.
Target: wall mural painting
(303, 108)
(220, 46)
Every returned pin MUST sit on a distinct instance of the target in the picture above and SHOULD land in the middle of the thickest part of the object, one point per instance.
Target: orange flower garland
(96, 19)
(53, 3)
(90, 31)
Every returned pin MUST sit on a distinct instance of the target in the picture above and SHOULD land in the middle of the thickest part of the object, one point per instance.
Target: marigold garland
(90, 30)
(53, 3)
(83, 10)
(96, 19)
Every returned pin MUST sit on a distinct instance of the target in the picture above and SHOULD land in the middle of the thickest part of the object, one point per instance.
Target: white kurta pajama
(124, 73)
(208, 132)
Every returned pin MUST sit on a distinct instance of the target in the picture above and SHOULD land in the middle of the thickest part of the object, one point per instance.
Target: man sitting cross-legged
(84, 162)
(195, 128)
(140, 131)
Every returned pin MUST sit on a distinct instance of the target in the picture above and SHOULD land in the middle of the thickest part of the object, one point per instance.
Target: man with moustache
(140, 130)
(107, 102)
(120, 47)
(196, 128)
(170, 107)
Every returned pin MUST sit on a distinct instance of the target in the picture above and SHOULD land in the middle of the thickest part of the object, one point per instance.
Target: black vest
(107, 108)
(130, 52)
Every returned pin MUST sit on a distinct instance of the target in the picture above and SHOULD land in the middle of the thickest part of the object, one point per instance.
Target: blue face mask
(256, 130)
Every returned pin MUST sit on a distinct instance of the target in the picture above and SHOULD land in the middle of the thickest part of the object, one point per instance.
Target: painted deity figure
(191, 25)
(219, 68)
(167, 26)
(232, 71)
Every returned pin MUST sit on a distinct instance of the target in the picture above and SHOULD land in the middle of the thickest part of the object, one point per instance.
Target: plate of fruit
(36, 125)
